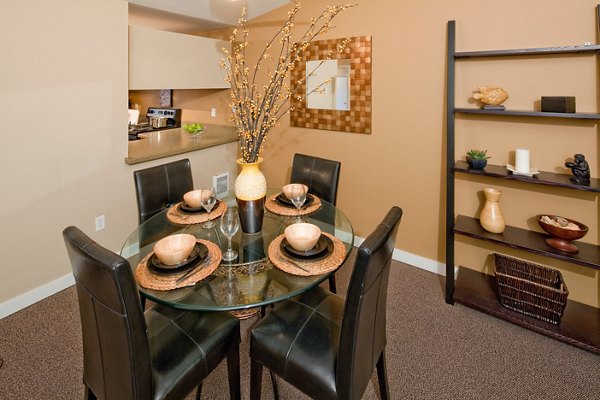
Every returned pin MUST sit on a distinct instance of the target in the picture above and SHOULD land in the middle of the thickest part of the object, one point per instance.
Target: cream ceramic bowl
(174, 248)
(287, 189)
(193, 198)
(302, 236)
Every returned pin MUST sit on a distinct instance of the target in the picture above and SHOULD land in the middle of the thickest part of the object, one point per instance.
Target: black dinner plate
(187, 209)
(198, 255)
(322, 249)
(284, 201)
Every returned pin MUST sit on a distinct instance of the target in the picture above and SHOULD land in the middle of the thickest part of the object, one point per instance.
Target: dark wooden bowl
(561, 237)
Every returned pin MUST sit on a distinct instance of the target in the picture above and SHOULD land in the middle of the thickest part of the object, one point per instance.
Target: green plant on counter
(477, 154)
(193, 128)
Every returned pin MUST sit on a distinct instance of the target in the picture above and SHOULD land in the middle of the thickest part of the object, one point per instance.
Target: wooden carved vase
(491, 217)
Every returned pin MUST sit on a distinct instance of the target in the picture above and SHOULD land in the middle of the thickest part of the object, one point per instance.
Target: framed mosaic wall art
(339, 86)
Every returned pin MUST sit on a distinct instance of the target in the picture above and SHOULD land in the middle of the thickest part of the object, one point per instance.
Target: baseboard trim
(33, 296)
(412, 259)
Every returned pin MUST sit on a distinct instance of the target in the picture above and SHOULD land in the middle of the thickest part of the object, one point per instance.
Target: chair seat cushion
(179, 343)
(298, 340)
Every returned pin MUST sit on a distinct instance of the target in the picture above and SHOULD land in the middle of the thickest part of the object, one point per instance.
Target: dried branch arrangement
(255, 110)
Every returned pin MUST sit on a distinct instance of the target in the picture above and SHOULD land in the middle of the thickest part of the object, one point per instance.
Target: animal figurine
(580, 169)
(491, 95)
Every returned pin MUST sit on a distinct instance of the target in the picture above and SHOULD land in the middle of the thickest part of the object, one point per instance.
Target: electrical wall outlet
(100, 223)
(221, 182)
(213, 112)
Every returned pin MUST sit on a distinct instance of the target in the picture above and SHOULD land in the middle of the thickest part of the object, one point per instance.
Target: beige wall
(63, 91)
(402, 161)
(63, 94)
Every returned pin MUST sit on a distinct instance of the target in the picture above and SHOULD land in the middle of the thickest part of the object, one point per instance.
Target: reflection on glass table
(250, 280)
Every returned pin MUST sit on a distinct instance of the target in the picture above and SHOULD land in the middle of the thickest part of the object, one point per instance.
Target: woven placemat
(150, 280)
(276, 208)
(178, 217)
(318, 267)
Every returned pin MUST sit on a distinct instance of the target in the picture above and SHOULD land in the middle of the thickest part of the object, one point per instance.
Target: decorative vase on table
(257, 108)
(250, 194)
(491, 217)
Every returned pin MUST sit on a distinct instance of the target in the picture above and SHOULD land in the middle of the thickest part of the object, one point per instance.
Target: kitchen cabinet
(580, 324)
(169, 60)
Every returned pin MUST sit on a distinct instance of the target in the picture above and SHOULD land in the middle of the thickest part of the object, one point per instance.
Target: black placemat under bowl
(284, 201)
(322, 249)
(187, 209)
(197, 256)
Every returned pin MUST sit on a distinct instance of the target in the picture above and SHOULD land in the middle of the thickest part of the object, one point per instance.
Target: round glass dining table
(250, 280)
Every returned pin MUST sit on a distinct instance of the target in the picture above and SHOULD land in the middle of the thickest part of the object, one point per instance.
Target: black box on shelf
(558, 104)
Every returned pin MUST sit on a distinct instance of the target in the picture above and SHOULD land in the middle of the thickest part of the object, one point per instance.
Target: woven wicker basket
(531, 289)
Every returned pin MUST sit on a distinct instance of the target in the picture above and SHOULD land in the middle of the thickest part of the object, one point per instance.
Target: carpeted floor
(435, 351)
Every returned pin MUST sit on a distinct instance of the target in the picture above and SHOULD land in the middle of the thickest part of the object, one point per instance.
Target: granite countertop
(170, 142)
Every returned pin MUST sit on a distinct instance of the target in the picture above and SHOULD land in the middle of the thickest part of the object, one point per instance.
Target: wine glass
(208, 201)
(298, 197)
(229, 226)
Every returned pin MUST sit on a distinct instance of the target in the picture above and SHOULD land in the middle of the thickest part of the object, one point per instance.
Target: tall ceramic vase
(491, 217)
(250, 193)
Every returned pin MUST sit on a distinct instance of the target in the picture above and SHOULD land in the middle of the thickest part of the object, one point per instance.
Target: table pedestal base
(245, 314)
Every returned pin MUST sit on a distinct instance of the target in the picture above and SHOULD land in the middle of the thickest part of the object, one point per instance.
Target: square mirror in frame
(342, 100)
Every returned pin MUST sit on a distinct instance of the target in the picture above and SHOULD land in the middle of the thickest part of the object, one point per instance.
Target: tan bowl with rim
(287, 189)
(174, 249)
(302, 236)
(194, 198)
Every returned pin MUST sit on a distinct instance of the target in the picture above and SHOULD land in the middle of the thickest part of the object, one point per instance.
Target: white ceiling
(187, 16)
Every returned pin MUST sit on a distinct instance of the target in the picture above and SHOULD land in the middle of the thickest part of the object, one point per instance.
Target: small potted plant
(477, 159)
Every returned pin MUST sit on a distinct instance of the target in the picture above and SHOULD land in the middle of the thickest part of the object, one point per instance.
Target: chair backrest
(159, 187)
(363, 335)
(116, 356)
(319, 174)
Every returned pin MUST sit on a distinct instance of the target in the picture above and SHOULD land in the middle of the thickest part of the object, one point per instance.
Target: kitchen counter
(169, 142)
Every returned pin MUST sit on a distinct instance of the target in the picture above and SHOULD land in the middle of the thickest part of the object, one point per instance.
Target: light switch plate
(221, 183)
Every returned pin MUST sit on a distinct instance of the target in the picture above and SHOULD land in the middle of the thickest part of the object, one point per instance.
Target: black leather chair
(325, 346)
(321, 176)
(128, 353)
(159, 187)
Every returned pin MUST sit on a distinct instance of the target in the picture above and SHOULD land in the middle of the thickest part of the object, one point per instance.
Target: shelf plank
(579, 326)
(543, 178)
(524, 113)
(530, 241)
(539, 51)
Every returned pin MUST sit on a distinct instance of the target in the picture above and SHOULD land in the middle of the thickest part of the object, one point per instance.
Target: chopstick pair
(193, 270)
(294, 263)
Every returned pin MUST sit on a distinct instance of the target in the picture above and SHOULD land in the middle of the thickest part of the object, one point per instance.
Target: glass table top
(249, 281)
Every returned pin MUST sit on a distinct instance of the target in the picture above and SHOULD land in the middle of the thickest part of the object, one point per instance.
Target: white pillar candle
(522, 161)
